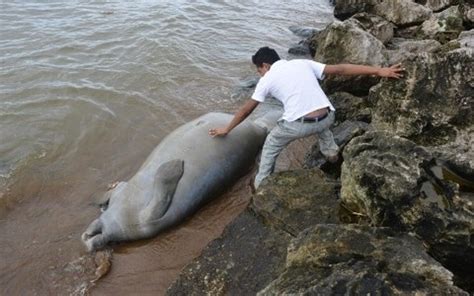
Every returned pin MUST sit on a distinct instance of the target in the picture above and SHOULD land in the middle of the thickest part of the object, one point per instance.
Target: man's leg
(279, 137)
(327, 145)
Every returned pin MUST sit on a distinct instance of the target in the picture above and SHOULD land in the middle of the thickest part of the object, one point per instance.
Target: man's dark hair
(265, 55)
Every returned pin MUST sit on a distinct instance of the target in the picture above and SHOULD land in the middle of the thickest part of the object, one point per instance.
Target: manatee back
(210, 164)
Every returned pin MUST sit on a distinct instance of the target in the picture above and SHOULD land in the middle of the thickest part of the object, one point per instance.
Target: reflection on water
(86, 92)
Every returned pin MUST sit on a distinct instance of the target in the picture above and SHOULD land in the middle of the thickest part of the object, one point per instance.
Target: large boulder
(436, 5)
(294, 200)
(444, 26)
(375, 25)
(431, 102)
(394, 183)
(358, 260)
(348, 42)
(402, 12)
(350, 107)
(344, 9)
(401, 49)
(399, 12)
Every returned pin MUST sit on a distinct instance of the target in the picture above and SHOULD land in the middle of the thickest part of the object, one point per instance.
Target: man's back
(295, 84)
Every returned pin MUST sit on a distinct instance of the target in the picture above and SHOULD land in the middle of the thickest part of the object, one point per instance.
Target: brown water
(86, 92)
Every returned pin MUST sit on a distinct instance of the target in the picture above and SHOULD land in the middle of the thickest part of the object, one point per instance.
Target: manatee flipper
(166, 180)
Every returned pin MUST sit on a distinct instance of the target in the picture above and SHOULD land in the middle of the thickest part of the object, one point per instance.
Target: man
(307, 110)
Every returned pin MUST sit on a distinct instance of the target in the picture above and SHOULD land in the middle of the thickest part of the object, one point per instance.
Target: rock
(343, 133)
(344, 9)
(375, 25)
(410, 32)
(252, 250)
(443, 26)
(302, 48)
(358, 260)
(467, 11)
(466, 39)
(458, 155)
(294, 200)
(347, 42)
(402, 12)
(247, 257)
(431, 102)
(350, 107)
(393, 182)
(303, 32)
(401, 49)
(399, 12)
(436, 5)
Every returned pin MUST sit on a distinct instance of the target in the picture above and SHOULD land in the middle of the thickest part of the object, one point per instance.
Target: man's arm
(394, 71)
(239, 116)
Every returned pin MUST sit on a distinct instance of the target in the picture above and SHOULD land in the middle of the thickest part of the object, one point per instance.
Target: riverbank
(396, 215)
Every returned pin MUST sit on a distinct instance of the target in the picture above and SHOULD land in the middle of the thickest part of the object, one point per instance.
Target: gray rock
(294, 200)
(399, 12)
(443, 26)
(358, 260)
(348, 42)
(300, 49)
(467, 11)
(458, 154)
(402, 12)
(437, 5)
(375, 25)
(401, 49)
(344, 9)
(431, 101)
(466, 39)
(350, 107)
(303, 32)
(393, 182)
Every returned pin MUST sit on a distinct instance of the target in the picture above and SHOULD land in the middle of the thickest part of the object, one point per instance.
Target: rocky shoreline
(396, 215)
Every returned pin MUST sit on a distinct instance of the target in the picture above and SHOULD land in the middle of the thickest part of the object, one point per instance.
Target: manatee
(186, 170)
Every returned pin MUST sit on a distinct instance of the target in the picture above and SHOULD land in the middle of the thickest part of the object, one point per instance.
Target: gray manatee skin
(186, 170)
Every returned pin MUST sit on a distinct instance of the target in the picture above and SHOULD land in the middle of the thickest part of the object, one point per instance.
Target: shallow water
(86, 92)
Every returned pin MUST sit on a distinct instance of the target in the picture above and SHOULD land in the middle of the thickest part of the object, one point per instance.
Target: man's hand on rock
(394, 71)
(218, 132)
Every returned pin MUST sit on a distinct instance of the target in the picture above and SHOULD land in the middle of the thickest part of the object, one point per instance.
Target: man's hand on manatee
(218, 132)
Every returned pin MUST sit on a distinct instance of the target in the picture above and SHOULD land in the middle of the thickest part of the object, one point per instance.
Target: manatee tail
(267, 120)
(93, 237)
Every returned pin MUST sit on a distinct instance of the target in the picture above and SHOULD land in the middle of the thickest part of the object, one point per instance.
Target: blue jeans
(285, 132)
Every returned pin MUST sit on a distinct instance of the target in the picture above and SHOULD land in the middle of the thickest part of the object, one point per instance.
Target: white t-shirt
(295, 84)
